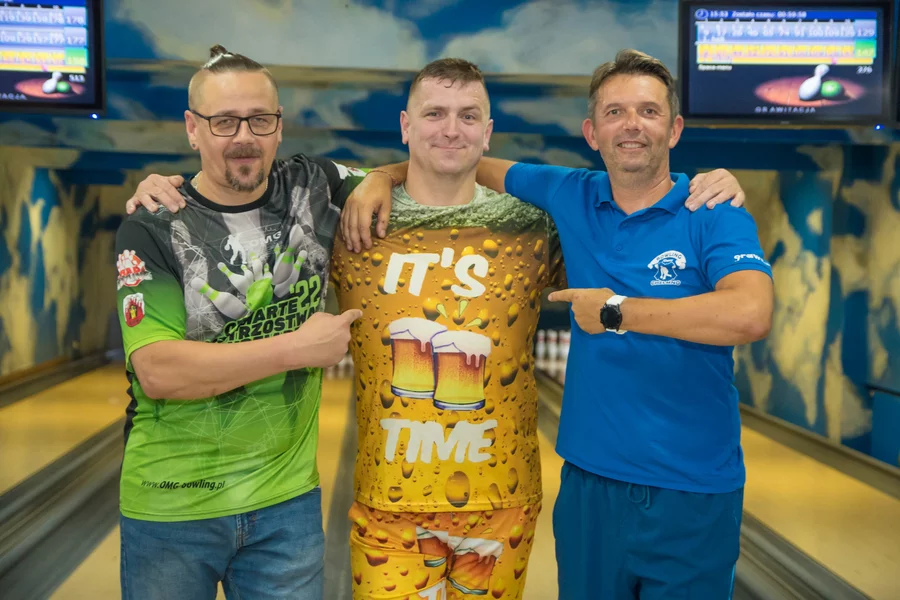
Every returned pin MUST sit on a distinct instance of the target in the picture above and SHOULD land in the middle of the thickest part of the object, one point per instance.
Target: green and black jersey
(224, 274)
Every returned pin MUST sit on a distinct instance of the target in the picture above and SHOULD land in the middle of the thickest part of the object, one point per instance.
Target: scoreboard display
(51, 56)
(787, 63)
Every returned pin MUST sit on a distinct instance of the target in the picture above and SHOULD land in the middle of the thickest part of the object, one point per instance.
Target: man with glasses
(220, 306)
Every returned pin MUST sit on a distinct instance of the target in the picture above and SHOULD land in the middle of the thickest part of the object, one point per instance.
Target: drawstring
(645, 495)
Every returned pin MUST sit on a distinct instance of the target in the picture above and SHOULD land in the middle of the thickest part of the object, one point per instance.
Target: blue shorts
(622, 541)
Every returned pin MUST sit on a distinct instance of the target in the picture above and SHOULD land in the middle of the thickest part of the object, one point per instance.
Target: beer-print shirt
(447, 402)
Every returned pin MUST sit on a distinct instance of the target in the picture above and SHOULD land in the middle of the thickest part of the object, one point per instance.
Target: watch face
(610, 317)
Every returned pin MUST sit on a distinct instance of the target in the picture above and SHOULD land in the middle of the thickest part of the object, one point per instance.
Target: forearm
(186, 370)
(720, 318)
(397, 171)
(492, 173)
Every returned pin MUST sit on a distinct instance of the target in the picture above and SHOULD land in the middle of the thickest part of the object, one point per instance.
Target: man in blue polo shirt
(652, 488)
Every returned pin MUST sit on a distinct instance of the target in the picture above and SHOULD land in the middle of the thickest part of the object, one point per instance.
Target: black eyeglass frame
(240, 121)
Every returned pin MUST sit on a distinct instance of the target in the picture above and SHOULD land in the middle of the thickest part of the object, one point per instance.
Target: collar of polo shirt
(672, 202)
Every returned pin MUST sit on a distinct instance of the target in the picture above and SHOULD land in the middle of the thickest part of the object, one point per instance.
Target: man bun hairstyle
(223, 61)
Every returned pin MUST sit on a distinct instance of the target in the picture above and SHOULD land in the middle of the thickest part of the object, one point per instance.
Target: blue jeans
(622, 541)
(272, 553)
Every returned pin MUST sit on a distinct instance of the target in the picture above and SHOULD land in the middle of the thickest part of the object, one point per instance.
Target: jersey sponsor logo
(667, 265)
(133, 309)
(237, 252)
(132, 270)
(756, 257)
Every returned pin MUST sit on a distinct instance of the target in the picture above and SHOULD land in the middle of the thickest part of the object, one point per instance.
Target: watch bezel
(611, 317)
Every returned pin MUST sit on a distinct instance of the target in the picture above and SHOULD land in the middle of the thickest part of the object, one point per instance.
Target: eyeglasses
(229, 125)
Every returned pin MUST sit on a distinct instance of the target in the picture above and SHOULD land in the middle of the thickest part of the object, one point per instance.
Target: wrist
(394, 181)
(396, 171)
(293, 350)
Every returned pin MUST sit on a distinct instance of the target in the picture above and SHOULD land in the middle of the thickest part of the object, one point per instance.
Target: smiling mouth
(631, 145)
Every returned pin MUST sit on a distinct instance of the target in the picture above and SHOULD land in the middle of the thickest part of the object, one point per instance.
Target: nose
(632, 121)
(451, 128)
(243, 135)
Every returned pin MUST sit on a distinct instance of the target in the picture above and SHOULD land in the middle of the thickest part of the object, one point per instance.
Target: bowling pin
(227, 304)
(540, 349)
(552, 345)
(550, 367)
(283, 264)
(810, 88)
(50, 85)
(282, 288)
(242, 282)
(565, 337)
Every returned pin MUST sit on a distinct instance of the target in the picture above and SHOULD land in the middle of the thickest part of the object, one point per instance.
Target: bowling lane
(98, 575)
(542, 583)
(846, 525)
(36, 431)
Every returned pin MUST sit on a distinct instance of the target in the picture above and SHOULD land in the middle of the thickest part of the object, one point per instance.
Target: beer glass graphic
(413, 364)
(473, 563)
(435, 544)
(459, 358)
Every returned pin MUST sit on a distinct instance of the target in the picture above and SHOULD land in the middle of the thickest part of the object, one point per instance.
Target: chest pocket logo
(667, 266)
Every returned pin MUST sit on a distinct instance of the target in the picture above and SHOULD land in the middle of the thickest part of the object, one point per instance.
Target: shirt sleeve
(150, 299)
(536, 184)
(341, 180)
(730, 243)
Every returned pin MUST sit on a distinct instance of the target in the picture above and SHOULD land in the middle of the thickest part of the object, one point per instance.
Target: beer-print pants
(440, 555)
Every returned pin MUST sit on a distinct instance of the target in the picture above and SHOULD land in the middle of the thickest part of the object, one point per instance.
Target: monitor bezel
(889, 77)
(97, 43)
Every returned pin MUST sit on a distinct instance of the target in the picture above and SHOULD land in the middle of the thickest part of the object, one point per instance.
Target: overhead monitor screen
(793, 62)
(51, 56)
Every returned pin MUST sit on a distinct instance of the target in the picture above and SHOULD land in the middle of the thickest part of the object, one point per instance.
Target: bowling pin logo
(56, 85)
(256, 283)
(667, 266)
(133, 309)
(810, 88)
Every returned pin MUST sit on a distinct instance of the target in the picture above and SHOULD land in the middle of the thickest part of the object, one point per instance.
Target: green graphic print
(218, 274)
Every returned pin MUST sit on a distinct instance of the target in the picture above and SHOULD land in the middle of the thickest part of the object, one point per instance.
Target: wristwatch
(611, 314)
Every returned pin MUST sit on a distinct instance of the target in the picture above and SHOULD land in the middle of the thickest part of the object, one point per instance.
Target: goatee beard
(239, 185)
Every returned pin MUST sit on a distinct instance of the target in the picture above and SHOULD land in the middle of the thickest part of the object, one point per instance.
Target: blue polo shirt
(640, 408)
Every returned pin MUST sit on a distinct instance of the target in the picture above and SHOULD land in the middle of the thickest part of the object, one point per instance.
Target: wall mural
(827, 204)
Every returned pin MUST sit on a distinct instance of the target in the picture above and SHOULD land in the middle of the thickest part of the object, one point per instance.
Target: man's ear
(404, 126)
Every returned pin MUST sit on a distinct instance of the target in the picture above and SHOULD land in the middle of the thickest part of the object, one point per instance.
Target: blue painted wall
(827, 203)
